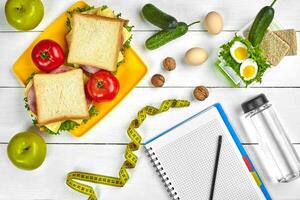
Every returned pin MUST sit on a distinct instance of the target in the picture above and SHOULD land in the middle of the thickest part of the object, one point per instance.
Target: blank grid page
(189, 162)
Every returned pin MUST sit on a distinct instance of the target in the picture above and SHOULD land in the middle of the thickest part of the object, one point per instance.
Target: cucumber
(158, 17)
(261, 24)
(164, 36)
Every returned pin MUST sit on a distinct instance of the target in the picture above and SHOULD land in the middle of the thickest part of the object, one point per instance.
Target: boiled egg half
(248, 69)
(239, 51)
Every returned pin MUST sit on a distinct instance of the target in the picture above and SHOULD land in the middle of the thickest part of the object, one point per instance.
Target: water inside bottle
(273, 138)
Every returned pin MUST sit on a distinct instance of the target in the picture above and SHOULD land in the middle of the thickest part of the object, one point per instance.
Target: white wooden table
(101, 150)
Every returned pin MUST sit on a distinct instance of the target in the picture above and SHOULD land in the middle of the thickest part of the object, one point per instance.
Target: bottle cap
(254, 103)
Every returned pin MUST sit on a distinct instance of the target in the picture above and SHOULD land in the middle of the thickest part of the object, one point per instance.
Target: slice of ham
(31, 100)
(90, 69)
(122, 39)
(61, 69)
(89, 100)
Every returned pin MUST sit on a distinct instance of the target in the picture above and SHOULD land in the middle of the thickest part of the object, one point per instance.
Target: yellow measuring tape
(130, 157)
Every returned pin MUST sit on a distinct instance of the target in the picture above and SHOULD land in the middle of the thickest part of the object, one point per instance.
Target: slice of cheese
(91, 12)
(78, 121)
(121, 57)
(106, 12)
(54, 127)
(126, 34)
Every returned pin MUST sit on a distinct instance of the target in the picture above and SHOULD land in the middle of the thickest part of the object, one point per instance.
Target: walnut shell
(201, 93)
(158, 80)
(169, 63)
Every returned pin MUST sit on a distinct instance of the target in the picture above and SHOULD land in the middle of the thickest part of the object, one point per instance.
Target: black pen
(215, 168)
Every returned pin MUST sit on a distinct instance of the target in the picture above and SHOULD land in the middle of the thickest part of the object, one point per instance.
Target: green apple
(24, 14)
(27, 150)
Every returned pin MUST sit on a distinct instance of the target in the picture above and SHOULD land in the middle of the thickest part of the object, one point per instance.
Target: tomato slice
(102, 86)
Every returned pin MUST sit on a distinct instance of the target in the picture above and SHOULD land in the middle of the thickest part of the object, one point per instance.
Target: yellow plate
(129, 74)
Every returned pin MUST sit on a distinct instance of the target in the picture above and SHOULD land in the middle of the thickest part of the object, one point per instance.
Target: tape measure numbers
(130, 157)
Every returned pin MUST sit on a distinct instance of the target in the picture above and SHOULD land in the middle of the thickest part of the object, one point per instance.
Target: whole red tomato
(47, 55)
(102, 86)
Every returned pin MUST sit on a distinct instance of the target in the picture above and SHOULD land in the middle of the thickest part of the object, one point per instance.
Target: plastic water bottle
(273, 137)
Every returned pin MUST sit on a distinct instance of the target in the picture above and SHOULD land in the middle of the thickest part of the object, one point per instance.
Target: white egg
(196, 56)
(239, 51)
(213, 23)
(248, 69)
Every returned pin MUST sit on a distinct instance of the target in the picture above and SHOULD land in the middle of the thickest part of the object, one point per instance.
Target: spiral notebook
(184, 157)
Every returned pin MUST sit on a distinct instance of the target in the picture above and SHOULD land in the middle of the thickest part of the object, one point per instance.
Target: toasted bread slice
(95, 41)
(60, 96)
(274, 47)
(289, 36)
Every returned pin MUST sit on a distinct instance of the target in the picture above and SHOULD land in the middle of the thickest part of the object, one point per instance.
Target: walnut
(169, 63)
(201, 93)
(158, 80)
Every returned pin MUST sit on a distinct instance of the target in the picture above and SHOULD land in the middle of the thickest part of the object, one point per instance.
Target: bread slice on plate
(60, 96)
(95, 41)
(289, 36)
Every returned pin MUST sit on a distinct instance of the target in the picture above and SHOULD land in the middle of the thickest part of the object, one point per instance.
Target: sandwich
(97, 38)
(57, 101)
(96, 41)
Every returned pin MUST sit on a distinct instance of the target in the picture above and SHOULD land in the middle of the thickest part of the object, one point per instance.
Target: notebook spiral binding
(162, 174)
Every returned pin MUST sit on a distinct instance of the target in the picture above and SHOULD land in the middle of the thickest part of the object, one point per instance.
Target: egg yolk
(241, 53)
(248, 71)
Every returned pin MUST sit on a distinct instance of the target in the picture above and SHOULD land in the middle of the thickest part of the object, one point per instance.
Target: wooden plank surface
(236, 13)
(102, 148)
(283, 75)
(112, 129)
(48, 182)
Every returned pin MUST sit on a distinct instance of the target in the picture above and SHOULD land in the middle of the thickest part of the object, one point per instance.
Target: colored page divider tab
(248, 163)
(256, 178)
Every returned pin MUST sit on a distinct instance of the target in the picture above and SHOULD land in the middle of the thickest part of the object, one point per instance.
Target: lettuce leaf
(92, 112)
(70, 125)
(76, 10)
(67, 125)
(256, 53)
